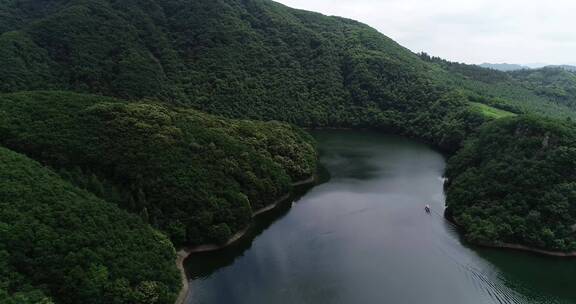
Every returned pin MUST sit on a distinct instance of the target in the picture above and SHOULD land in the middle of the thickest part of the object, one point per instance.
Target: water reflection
(205, 264)
(363, 237)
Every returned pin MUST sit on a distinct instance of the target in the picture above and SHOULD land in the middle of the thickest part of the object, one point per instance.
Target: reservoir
(363, 237)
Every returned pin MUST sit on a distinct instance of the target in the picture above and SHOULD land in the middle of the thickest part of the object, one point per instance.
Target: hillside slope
(231, 51)
(547, 91)
(197, 177)
(142, 144)
(513, 183)
(239, 58)
(553, 83)
(252, 59)
(61, 242)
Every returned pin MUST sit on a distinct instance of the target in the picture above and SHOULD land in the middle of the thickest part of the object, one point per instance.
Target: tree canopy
(514, 182)
(174, 117)
(62, 243)
(197, 177)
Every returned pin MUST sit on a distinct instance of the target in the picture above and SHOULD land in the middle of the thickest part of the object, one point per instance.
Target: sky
(471, 31)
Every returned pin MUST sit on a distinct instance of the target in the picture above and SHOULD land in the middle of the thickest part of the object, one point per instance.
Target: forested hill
(247, 59)
(61, 243)
(108, 98)
(513, 183)
(252, 59)
(549, 91)
(83, 228)
(556, 84)
(195, 176)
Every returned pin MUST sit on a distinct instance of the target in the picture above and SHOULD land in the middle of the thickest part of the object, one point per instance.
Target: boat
(427, 208)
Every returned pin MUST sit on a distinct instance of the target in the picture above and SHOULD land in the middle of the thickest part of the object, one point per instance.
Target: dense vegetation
(247, 59)
(196, 176)
(250, 59)
(556, 84)
(547, 91)
(142, 158)
(489, 111)
(514, 182)
(60, 242)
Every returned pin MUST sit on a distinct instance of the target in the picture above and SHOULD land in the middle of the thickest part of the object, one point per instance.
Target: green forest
(60, 241)
(513, 182)
(174, 167)
(547, 91)
(147, 125)
(196, 178)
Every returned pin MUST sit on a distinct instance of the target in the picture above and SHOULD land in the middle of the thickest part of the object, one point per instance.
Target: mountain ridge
(504, 67)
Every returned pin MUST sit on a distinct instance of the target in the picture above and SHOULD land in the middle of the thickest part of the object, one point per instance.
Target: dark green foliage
(199, 177)
(249, 59)
(196, 176)
(63, 242)
(34, 297)
(514, 183)
(472, 72)
(24, 64)
(246, 59)
(15, 288)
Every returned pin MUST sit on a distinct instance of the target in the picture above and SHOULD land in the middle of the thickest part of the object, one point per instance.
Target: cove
(363, 237)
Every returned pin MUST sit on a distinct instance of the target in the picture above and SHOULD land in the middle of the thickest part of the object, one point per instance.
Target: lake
(363, 237)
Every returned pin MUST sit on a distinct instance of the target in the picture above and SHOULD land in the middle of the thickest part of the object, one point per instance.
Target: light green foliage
(490, 112)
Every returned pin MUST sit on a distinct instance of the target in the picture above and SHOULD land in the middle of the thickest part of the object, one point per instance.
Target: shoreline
(517, 247)
(184, 253)
(509, 246)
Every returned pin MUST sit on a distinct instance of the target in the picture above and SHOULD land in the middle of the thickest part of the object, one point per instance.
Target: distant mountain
(566, 67)
(536, 65)
(507, 67)
(504, 67)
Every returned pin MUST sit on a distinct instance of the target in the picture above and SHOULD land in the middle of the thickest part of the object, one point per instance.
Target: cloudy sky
(472, 31)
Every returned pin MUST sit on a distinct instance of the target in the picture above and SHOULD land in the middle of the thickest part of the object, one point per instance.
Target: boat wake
(490, 283)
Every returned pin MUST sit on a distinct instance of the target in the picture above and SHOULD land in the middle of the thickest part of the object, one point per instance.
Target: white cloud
(473, 31)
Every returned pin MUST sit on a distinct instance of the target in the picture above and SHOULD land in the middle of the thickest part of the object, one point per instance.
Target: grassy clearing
(489, 111)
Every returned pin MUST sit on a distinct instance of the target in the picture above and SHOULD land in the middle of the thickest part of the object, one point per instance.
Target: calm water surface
(363, 237)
